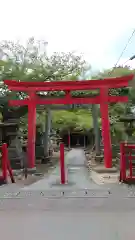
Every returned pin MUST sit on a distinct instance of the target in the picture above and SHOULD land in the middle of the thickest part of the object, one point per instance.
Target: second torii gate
(68, 86)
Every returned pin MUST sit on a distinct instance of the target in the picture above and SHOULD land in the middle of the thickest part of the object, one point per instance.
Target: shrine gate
(68, 86)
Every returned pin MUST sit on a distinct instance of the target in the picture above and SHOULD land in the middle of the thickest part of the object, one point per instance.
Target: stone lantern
(129, 124)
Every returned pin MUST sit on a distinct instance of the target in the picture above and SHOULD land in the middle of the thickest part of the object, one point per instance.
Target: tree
(119, 109)
(80, 119)
(31, 63)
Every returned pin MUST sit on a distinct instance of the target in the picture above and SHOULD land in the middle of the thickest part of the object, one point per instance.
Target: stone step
(102, 169)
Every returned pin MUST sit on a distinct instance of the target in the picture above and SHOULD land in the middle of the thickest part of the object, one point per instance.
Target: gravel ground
(44, 169)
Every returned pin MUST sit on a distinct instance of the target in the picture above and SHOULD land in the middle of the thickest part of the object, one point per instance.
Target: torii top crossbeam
(69, 85)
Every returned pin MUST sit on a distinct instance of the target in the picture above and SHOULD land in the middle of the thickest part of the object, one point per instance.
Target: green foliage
(31, 63)
(81, 119)
(120, 109)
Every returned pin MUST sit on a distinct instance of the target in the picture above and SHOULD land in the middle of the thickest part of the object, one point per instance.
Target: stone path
(76, 174)
(107, 215)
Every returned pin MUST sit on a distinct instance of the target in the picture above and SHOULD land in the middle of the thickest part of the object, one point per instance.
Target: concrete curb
(104, 178)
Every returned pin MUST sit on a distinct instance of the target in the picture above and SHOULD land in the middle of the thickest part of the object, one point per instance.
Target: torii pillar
(31, 130)
(106, 127)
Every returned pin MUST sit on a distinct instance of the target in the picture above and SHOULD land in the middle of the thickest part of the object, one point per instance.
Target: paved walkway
(76, 174)
(69, 218)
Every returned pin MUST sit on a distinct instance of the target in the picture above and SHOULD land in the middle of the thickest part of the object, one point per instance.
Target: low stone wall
(98, 173)
(104, 178)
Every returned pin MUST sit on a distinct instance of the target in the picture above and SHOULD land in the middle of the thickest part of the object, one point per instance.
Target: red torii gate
(67, 86)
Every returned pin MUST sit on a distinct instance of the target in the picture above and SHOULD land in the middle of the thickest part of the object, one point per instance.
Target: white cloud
(86, 26)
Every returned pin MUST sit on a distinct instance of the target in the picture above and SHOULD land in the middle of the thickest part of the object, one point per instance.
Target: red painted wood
(31, 131)
(18, 102)
(130, 165)
(126, 157)
(122, 163)
(106, 128)
(62, 163)
(4, 161)
(103, 100)
(129, 178)
(92, 100)
(129, 145)
(68, 87)
(10, 171)
(90, 83)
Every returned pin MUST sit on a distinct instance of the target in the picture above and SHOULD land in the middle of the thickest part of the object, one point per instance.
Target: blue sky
(97, 28)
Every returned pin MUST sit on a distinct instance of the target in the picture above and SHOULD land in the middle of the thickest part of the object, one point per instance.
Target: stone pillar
(69, 139)
(96, 128)
(47, 133)
(15, 152)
